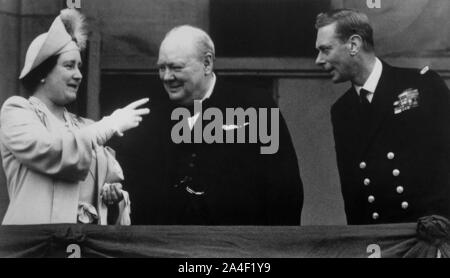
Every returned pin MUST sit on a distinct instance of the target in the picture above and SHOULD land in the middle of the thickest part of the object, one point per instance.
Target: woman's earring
(42, 80)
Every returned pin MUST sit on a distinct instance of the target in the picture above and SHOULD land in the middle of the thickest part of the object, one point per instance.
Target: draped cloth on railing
(428, 238)
(432, 240)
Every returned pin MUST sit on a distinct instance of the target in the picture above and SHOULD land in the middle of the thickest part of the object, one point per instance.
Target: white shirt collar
(373, 80)
(192, 120)
(210, 90)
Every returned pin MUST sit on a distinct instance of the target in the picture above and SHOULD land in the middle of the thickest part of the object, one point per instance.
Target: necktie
(363, 98)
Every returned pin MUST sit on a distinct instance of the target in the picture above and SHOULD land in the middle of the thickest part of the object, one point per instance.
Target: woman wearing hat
(56, 165)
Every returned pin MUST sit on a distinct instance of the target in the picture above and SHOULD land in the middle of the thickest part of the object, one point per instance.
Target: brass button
(191, 165)
(366, 182)
(371, 199)
(375, 216)
(194, 155)
(362, 165)
(400, 189)
(405, 205)
(396, 173)
(390, 155)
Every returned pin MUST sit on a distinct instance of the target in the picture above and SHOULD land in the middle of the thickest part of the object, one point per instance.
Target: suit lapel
(353, 104)
(382, 105)
(215, 99)
(352, 119)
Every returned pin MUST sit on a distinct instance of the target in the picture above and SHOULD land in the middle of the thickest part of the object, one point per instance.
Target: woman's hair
(31, 81)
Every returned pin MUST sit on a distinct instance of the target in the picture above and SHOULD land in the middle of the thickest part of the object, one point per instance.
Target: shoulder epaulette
(424, 70)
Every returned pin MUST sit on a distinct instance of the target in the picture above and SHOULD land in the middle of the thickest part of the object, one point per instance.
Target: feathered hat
(68, 32)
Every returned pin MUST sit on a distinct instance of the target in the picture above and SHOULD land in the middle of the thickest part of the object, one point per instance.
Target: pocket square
(231, 127)
(407, 100)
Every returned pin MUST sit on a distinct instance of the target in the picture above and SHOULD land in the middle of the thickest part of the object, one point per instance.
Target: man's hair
(204, 43)
(348, 23)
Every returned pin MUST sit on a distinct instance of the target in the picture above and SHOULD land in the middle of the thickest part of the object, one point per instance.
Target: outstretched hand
(129, 117)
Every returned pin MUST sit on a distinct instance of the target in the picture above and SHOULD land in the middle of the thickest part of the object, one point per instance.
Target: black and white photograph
(235, 130)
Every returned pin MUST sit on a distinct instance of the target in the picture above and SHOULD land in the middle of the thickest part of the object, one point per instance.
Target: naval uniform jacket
(394, 159)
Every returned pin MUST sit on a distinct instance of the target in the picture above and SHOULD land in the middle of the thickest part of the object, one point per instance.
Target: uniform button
(191, 165)
(362, 165)
(366, 182)
(400, 189)
(194, 155)
(176, 185)
(371, 199)
(390, 155)
(375, 216)
(405, 205)
(183, 180)
(396, 173)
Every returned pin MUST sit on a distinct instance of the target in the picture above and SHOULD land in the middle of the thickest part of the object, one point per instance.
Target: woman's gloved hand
(128, 117)
(111, 193)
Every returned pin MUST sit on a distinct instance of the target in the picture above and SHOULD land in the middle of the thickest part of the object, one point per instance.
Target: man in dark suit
(213, 183)
(391, 128)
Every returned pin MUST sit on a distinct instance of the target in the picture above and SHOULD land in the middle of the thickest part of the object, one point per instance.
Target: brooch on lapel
(409, 99)
(231, 127)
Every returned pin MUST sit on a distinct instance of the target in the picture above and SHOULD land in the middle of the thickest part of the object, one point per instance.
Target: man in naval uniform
(391, 128)
(213, 183)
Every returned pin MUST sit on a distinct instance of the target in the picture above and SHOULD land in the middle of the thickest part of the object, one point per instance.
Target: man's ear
(355, 43)
(208, 63)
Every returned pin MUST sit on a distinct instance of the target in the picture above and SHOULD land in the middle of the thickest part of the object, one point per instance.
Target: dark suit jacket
(395, 167)
(239, 186)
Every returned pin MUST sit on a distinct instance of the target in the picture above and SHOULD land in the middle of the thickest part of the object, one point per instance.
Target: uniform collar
(373, 80)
